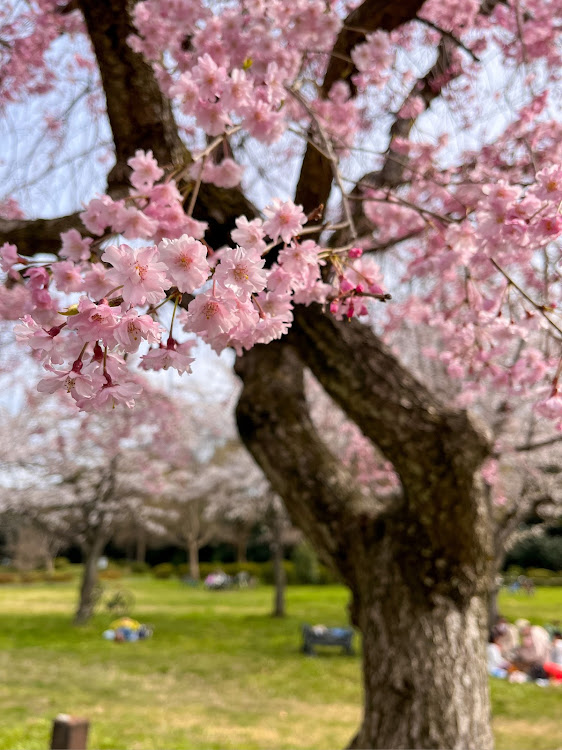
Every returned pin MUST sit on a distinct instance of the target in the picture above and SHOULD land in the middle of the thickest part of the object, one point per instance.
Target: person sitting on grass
(507, 636)
(556, 651)
(529, 657)
(497, 665)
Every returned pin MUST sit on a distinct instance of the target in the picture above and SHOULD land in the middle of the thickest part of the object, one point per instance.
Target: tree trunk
(49, 563)
(417, 563)
(141, 546)
(242, 548)
(89, 581)
(493, 609)
(424, 674)
(279, 577)
(193, 557)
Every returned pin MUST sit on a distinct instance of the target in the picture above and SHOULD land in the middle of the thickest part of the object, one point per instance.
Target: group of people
(523, 652)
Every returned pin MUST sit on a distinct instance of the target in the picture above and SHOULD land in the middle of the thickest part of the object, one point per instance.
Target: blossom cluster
(90, 313)
(490, 280)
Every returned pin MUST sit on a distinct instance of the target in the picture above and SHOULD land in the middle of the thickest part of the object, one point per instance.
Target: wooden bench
(317, 635)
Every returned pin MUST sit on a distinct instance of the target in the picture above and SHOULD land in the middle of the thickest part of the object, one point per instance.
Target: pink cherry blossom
(185, 260)
(285, 220)
(212, 315)
(36, 337)
(74, 246)
(95, 322)
(133, 328)
(242, 271)
(79, 385)
(145, 170)
(142, 276)
(249, 234)
(8, 257)
(173, 355)
(67, 276)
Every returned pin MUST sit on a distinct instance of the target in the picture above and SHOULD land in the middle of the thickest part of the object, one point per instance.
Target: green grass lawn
(218, 673)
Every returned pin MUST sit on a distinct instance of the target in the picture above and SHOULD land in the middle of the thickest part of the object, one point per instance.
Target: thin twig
(540, 308)
(449, 35)
(216, 142)
(331, 156)
(196, 187)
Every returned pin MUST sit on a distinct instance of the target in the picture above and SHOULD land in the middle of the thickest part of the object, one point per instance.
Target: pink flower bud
(355, 252)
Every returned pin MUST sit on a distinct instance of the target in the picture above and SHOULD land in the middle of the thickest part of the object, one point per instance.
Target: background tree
(87, 477)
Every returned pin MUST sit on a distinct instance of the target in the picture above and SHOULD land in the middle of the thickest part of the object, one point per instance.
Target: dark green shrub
(139, 568)
(110, 574)
(59, 576)
(544, 552)
(164, 570)
(514, 571)
(61, 562)
(555, 580)
(9, 577)
(327, 576)
(290, 574)
(307, 569)
(32, 576)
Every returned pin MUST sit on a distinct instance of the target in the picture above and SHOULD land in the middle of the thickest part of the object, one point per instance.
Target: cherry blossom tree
(407, 160)
(87, 477)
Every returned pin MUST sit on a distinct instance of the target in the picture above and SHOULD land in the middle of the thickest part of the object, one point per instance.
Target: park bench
(320, 635)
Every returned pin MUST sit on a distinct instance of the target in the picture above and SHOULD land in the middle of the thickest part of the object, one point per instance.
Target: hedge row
(260, 571)
(539, 576)
(35, 576)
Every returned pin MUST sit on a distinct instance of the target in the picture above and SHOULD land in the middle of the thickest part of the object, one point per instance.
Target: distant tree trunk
(495, 585)
(193, 557)
(89, 581)
(242, 547)
(141, 546)
(493, 608)
(130, 550)
(49, 563)
(279, 579)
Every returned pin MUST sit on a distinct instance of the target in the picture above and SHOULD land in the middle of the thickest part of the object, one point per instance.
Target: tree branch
(139, 115)
(32, 236)
(538, 444)
(315, 181)
(273, 421)
(436, 451)
(392, 408)
(140, 118)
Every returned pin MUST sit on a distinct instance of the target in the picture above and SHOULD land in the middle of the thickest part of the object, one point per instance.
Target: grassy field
(218, 673)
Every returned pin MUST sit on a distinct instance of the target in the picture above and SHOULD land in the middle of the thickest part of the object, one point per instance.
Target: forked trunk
(89, 582)
(193, 557)
(424, 675)
(418, 563)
